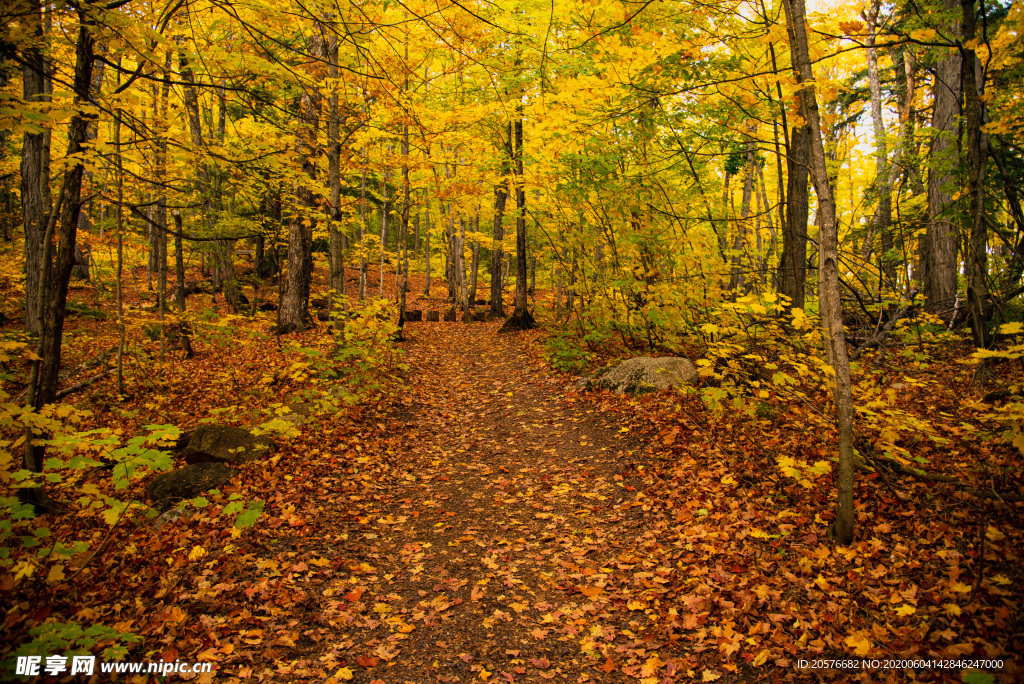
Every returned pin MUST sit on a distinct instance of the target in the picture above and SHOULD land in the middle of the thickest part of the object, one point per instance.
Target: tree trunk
(56, 276)
(293, 313)
(977, 156)
(883, 185)
(500, 199)
(337, 275)
(793, 263)
(35, 180)
(831, 304)
(521, 318)
(939, 250)
(736, 277)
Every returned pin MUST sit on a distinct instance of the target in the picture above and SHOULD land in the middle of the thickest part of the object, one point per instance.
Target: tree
(831, 302)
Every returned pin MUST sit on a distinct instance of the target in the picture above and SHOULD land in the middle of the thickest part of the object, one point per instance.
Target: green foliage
(565, 354)
(69, 638)
(366, 355)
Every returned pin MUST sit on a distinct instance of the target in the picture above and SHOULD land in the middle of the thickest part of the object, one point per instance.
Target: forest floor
(480, 519)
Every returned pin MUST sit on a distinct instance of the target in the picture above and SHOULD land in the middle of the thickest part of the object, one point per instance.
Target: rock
(433, 316)
(226, 444)
(171, 516)
(645, 374)
(297, 413)
(190, 481)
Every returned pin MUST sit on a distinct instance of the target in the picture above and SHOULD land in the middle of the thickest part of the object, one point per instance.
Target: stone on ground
(189, 481)
(226, 444)
(646, 374)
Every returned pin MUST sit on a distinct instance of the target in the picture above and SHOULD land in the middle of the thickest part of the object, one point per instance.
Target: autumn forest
(397, 341)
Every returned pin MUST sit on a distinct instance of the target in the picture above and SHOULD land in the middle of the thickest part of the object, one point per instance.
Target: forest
(314, 317)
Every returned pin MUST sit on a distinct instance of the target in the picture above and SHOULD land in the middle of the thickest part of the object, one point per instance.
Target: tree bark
(521, 318)
(831, 304)
(337, 275)
(35, 180)
(293, 313)
(977, 156)
(793, 262)
(56, 276)
(883, 183)
(939, 250)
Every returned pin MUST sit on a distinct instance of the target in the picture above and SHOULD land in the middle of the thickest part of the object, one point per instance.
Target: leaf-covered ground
(487, 521)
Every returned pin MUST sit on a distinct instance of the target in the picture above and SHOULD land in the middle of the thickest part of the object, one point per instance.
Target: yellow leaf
(710, 676)
(952, 609)
(56, 574)
(344, 673)
(484, 674)
(960, 587)
(24, 568)
(1011, 328)
(905, 610)
(860, 644)
(196, 553)
(761, 658)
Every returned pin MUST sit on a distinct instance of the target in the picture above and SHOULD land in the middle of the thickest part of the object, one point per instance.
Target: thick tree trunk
(35, 180)
(293, 313)
(793, 262)
(831, 304)
(939, 249)
(56, 276)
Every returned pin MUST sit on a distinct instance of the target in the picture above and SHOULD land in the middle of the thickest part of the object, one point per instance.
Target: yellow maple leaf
(905, 610)
(56, 574)
(860, 644)
(196, 553)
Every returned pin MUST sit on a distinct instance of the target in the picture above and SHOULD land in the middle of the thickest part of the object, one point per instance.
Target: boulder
(226, 444)
(190, 481)
(645, 374)
(298, 413)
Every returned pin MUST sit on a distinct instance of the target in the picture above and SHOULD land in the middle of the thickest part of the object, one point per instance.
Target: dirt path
(510, 552)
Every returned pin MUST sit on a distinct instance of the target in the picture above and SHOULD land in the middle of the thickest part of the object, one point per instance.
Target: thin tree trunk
(883, 213)
(977, 156)
(337, 275)
(521, 318)
(831, 304)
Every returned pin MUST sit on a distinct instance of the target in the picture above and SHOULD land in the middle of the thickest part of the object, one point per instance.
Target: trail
(510, 551)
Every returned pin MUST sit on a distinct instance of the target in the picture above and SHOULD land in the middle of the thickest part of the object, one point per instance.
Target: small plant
(565, 355)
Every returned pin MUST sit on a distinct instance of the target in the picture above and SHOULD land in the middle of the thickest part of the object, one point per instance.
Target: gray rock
(189, 481)
(226, 444)
(171, 516)
(645, 374)
(297, 413)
